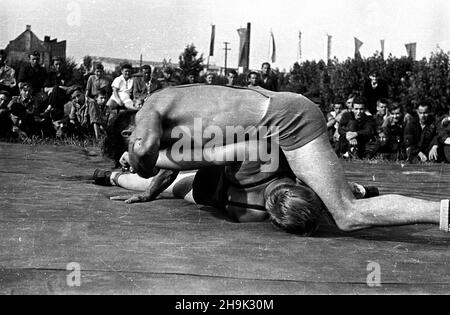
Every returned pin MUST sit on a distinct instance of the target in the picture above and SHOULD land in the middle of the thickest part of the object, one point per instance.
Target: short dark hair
(265, 63)
(126, 66)
(232, 71)
(394, 106)
(425, 102)
(3, 53)
(359, 100)
(114, 144)
(252, 72)
(99, 66)
(147, 67)
(294, 208)
(57, 59)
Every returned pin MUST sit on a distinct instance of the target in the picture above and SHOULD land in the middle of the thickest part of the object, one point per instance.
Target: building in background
(19, 48)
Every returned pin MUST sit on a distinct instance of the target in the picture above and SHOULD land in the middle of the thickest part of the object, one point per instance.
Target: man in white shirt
(122, 87)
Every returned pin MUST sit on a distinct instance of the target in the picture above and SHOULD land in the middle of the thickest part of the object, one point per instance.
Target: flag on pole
(244, 47)
(211, 44)
(411, 50)
(299, 58)
(382, 47)
(329, 37)
(358, 45)
(273, 56)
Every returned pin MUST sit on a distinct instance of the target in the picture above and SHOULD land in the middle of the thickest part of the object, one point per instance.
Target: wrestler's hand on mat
(133, 199)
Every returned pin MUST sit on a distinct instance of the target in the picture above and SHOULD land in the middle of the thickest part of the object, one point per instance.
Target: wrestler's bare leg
(317, 165)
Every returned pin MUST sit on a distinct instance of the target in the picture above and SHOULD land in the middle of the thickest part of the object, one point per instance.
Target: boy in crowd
(98, 81)
(98, 113)
(122, 90)
(5, 97)
(332, 123)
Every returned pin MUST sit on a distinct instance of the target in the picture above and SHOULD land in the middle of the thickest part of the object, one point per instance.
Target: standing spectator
(420, 132)
(252, 80)
(357, 132)
(7, 74)
(381, 119)
(122, 90)
(209, 79)
(374, 89)
(98, 81)
(5, 97)
(33, 73)
(145, 85)
(267, 80)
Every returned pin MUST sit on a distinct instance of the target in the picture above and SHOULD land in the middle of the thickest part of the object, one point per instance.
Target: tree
(87, 62)
(189, 62)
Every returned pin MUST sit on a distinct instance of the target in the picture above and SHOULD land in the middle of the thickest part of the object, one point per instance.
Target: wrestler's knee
(346, 216)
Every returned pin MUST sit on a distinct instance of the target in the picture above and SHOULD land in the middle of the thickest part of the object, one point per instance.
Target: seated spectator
(232, 76)
(441, 148)
(5, 98)
(98, 113)
(19, 125)
(122, 90)
(252, 80)
(374, 89)
(34, 74)
(77, 122)
(420, 131)
(56, 86)
(34, 108)
(145, 85)
(357, 132)
(7, 74)
(98, 81)
(267, 80)
(332, 123)
(392, 144)
(191, 78)
(209, 78)
(381, 119)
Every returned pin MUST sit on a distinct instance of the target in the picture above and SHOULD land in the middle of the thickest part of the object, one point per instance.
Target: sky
(161, 29)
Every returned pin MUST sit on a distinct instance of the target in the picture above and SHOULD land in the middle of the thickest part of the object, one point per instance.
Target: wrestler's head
(117, 133)
(293, 207)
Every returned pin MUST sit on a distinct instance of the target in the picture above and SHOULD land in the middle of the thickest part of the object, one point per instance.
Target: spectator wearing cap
(7, 74)
(267, 79)
(375, 88)
(33, 73)
(98, 81)
(145, 84)
(5, 98)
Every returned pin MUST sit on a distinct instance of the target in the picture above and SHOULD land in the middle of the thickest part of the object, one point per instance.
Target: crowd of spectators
(37, 102)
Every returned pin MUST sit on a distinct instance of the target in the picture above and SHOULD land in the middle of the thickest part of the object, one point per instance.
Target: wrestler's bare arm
(144, 144)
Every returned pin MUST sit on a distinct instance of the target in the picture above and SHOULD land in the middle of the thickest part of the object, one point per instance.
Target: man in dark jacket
(357, 132)
(267, 80)
(374, 89)
(420, 133)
